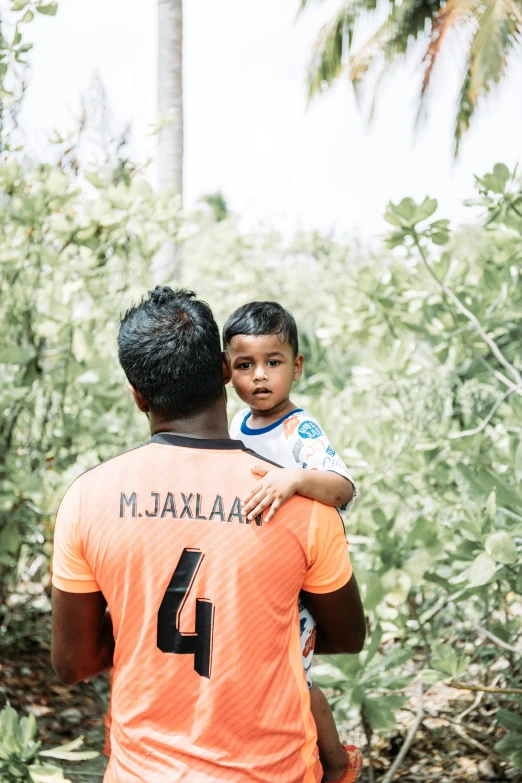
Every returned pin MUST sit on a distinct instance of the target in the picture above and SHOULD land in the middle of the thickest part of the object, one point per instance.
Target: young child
(261, 340)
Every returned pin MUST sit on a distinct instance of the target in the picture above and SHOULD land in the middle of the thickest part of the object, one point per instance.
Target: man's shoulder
(87, 484)
(115, 463)
(302, 510)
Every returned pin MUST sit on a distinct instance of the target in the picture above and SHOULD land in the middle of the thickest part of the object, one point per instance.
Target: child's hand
(275, 487)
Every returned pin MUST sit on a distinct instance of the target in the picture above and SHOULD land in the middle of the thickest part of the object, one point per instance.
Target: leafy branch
(406, 216)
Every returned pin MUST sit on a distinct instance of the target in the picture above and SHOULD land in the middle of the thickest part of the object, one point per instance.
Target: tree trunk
(170, 102)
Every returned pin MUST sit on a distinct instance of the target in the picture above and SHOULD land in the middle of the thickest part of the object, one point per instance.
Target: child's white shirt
(296, 440)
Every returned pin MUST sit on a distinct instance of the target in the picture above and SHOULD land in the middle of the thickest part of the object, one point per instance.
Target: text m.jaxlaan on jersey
(189, 506)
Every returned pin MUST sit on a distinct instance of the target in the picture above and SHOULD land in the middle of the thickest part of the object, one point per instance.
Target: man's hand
(276, 486)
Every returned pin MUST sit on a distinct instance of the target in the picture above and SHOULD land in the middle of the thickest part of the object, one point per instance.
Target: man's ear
(227, 368)
(139, 399)
(298, 366)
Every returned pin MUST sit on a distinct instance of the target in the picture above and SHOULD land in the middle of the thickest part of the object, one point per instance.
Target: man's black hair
(261, 318)
(169, 348)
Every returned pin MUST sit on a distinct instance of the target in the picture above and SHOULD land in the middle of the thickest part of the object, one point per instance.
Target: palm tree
(170, 103)
(489, 30)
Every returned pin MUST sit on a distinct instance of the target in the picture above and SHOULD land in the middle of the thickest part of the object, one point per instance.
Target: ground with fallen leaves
(450, 746)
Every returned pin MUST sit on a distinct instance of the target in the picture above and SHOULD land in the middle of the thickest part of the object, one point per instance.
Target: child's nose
(260, 374)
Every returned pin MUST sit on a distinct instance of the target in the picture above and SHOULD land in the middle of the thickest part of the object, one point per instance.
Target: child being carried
(261, 340)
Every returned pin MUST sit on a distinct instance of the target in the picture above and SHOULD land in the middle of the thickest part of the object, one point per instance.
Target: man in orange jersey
(203, 630)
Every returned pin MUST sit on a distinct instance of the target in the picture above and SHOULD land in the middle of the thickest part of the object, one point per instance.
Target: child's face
(263, 369)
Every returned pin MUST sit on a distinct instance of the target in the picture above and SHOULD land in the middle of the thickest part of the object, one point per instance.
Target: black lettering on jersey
(169, 507)
(217, 509)
(258, 520)
(187, 511)
(131, 503)
(198, 508)
(235, 511)
(154, 513)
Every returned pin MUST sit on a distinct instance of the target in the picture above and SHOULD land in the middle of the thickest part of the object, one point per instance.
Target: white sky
(247, 130)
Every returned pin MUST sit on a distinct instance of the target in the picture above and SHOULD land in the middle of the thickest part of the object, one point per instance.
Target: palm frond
(304, 3)
(363, 59)
(491, 29)
(331, 47)
(410, 23)
(464, 110)
(391, 41)
(456, 13)
(498, 30)
(406, 21)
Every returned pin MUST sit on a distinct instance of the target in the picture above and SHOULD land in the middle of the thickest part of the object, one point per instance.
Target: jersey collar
(169, 439)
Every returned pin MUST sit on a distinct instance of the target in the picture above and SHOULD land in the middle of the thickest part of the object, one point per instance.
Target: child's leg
(331, 752)
(339, 764)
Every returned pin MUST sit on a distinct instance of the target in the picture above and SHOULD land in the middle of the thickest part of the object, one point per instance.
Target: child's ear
(298, 366)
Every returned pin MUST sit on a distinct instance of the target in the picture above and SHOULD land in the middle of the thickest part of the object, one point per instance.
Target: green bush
(71, 263)
(22, 761)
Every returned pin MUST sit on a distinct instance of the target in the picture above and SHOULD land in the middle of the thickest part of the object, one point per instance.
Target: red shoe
(355, 760)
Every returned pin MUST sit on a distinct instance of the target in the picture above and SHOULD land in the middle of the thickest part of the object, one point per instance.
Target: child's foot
(336, 770)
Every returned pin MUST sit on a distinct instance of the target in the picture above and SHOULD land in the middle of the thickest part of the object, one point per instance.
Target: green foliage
(445, 663)
(510, 746)
(218, 205)
(14, 49)
(359, 680)
(71, 262)
(22, 761)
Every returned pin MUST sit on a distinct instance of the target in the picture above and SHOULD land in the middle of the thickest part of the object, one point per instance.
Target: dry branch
(484, 688)
(409, 739)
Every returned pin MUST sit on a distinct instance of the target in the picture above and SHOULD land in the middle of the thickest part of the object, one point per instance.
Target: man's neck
(210, 423)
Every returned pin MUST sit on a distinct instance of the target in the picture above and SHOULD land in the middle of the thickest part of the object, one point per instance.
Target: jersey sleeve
(329, 566)
(71, 571)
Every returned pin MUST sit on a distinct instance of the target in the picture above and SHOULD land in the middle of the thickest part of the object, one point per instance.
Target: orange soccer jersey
(208, 681)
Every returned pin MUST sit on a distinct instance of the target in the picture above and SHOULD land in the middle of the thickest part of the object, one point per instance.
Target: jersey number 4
(170, 637)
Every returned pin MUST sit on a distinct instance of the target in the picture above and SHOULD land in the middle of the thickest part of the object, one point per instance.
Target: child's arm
(278, 485)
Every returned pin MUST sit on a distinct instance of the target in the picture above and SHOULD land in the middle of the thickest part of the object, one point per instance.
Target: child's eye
(273, 362)
(244, 366)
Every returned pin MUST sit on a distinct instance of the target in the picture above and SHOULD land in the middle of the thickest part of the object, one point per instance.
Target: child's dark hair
(261, 318)
(170, 351)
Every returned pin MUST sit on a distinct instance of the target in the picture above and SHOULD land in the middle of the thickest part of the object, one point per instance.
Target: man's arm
(82, 637)
(339, 616)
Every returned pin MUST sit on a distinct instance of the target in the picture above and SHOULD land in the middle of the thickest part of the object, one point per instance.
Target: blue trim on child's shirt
(246, 430)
